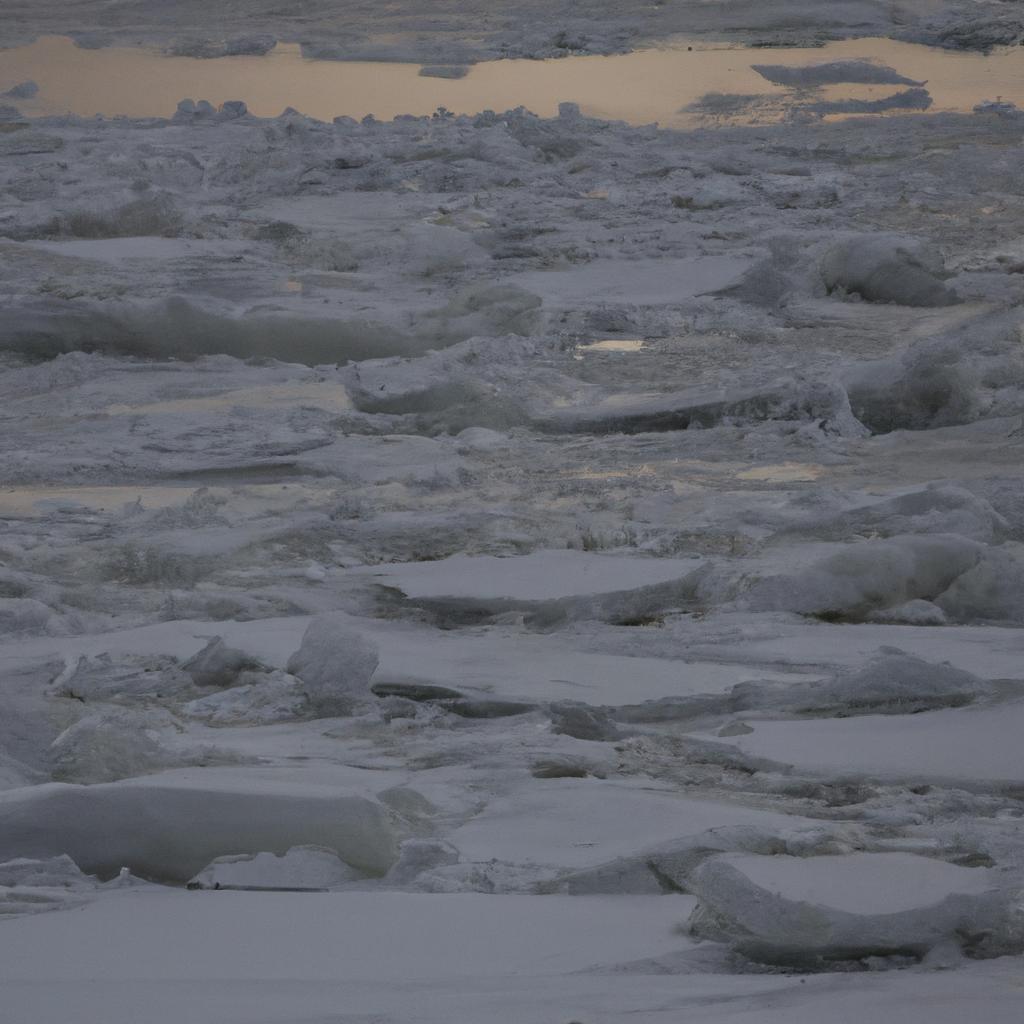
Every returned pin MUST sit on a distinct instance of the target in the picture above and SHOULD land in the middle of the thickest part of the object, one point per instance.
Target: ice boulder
(114, 743)
(928, 385)
(231, 109)
(800, 910)
(312, 868)
(59, 872)
(866, 576)
(937, 508)
(189, 109)
(259, 699)
(580, 720)
(30, 886)
(993, 591)
(218, 665)
(887, 269)
(24, 615)
(335, 663)
(417, 856)
(893, 682)
(667, 867)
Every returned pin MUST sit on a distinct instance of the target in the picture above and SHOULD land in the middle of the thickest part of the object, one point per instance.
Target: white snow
(646, 282)
(539, 576)
(343, 938)
(969, 745)
(579, 822)
(865, 883)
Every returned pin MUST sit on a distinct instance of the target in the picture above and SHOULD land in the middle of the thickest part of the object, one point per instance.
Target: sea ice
(169, 828)
(309, 868)
(790, 910)
(335, 663)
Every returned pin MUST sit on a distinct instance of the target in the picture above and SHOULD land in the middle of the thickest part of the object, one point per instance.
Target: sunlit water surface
(642, 87)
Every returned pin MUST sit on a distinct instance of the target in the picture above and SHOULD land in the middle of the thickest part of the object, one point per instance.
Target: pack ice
(490, 567)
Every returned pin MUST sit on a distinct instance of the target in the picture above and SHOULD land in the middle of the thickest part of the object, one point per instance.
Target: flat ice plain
(521, 564)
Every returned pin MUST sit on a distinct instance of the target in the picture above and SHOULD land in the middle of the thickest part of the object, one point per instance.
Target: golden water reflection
(641, 87)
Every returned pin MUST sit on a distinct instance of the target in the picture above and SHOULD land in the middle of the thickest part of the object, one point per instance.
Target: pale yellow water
(612, 345)
(642, 87)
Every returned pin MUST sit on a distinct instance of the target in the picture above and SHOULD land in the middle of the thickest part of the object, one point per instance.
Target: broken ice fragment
(300, 868)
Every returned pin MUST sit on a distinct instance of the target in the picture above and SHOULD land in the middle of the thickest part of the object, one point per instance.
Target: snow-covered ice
(511, 564)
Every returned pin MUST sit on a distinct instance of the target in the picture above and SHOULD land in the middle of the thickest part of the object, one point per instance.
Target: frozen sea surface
(591, 552)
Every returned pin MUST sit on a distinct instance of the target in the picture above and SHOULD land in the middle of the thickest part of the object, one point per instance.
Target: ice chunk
(968, 745)
(913, 613)
(574, 718)
(299, 868)
(667, 866)
(124, 678)
(117, 743)
(23, 91)
(444, 71)
(547, 585)
(170, 827)
(860, 72)
(891, 683)
(887, 269)
(651, 282)
(938, 508)
(794, 910)
(908, 99)
(576, 823)
(24, 615)
(258, 698)
(51, 872)
(560, 767)
(476, 708)
(928, 385)
(335, 663)
(239, 46)
(993, 591)
(868, 576)
(218, 665)
(15, 774)
(233, 109)
(415, 856)
(819, 402)
(411, 689)
(189, 109)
